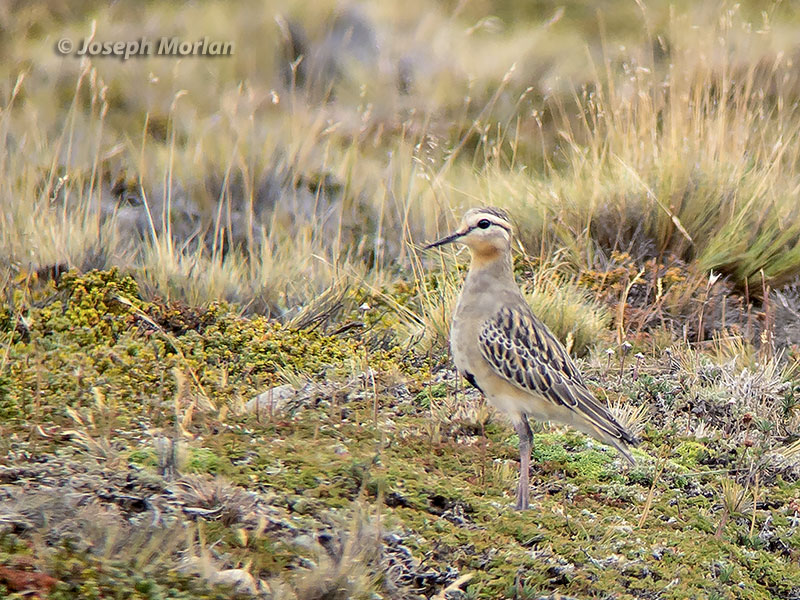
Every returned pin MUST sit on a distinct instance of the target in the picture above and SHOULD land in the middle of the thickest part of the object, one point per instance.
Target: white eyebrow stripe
(492, 219)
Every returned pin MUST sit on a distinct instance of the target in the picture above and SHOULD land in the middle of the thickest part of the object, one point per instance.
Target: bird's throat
(490, 258)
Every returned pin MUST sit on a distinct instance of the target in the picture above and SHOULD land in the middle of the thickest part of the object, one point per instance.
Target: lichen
(94, 379)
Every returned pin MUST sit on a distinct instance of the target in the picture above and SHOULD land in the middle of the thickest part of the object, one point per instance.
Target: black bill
(445, 240)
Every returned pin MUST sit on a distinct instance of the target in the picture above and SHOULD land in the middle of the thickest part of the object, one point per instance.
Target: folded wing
(524, 352)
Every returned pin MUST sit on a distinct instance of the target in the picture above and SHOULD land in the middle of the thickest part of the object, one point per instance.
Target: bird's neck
(496, 263)
(489, 282)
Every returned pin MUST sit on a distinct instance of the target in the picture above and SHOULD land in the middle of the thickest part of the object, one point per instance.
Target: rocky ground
(153, 450)
(288, 424)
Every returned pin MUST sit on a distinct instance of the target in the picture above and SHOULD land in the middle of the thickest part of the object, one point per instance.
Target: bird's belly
(510, 399)
(504, 396)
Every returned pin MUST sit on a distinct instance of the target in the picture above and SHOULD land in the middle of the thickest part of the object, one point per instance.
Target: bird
(501, 348)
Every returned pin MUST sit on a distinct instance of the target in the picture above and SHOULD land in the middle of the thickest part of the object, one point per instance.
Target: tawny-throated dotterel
(502, 349)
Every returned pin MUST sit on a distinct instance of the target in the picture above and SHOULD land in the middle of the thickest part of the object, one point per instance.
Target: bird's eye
(484, 223)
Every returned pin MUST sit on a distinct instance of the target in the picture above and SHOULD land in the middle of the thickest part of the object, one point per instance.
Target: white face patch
(484, 230)
(486, 218)
(486, 233)
(486, 224)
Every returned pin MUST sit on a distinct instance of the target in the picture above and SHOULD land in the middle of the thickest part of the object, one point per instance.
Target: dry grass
(261, 193)
(566, 308)
(301, 176)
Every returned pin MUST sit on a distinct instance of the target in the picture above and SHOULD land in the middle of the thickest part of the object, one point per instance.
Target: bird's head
(486, 231)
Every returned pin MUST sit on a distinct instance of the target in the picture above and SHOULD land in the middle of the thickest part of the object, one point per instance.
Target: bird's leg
(525, 441)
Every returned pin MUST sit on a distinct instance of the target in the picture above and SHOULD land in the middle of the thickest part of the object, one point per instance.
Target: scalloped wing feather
(524, 352)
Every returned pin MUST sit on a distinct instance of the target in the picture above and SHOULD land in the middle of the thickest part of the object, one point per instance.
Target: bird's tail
(601, 424)
(622, 447)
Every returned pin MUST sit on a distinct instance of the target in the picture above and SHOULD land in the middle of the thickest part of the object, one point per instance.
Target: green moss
(447, 489)
(547, 448)
(202, 460)
(690, 454)
(569, 452)
(99, 306)
(143, 456)
(438, 390)
(83, 575)
(96, 326)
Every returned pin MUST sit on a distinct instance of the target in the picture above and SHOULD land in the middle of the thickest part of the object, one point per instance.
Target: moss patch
(375, 458)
